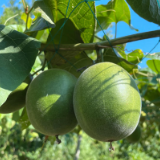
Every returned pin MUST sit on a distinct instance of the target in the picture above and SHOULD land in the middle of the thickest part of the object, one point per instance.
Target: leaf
(24, 121)
(147, 9)
(111, 55)
(16, 115)
(81, 16)
(70, 35)
(43, 17)
(16, 100)
(17, 55)
(79, 28)
(24, 18)
(19, 28)
(135, 56)
(79, 63)
(153, 56)
(154, 65)
(37, 65)
(113, 11)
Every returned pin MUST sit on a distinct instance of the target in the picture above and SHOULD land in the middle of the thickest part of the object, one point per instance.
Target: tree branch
(102, 44)
(78, 147)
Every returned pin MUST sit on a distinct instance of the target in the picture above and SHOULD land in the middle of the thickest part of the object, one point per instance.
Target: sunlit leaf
(113, 11)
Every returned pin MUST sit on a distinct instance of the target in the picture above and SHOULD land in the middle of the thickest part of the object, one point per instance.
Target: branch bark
(98, 45)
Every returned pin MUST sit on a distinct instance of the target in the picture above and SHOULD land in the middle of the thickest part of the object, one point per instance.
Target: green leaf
(154, 65)
(79, 28)
(19, 28)
(81, 16)
(147, 9)
(43, 17)
(71, 34)
(16, 115)
(135, 56)
(24, 18)
(79, 63)
(17, 55)
(24, 121)
(154, 56)
(113, 56)
(16, 100)
(114, 11)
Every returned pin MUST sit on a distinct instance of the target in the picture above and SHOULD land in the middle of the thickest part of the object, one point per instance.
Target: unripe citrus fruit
(49, 102)
(107, 102)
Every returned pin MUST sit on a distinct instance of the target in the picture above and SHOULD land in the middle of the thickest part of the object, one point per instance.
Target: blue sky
(123, 30)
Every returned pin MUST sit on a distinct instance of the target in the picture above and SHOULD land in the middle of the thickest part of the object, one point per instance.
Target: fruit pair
(106, 101)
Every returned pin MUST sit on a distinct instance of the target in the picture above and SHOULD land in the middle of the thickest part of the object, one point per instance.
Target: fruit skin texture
(16, 100)
(135, 136)
(49, 102)
(107, 102)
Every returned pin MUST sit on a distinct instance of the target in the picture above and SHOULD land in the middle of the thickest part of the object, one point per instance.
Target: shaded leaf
(16, 115)
(154, 65)
(147, 9)
(43, 17)
(70, 35)
(24, 121)
(79, 63)
(114, 11)
(114, 56)
(16, 100)
(17, 55)
(79, 28)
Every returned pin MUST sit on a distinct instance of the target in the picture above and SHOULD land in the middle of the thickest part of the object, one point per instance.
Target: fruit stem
(111, 147)
(57, 139)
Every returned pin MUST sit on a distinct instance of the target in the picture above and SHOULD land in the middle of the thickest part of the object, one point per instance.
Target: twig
(143, 74)
(28, 12)
(41, 69)
(24, 5)
(10, 18)
(98, 37)
(77, 153)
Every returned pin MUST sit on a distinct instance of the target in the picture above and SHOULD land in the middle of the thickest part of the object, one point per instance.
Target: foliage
(43, 36)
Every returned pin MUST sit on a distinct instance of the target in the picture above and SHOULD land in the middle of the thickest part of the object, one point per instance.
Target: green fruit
(49, 102)
(16, 100)
(107, 102)
(135, 136)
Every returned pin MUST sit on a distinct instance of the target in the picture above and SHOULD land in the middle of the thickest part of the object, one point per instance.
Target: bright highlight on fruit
(49, 102)
(107, 102)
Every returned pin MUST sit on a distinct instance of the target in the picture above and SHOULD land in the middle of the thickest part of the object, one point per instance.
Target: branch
(10, 18)
(102, 44)
(78, 148)
(28, 12)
